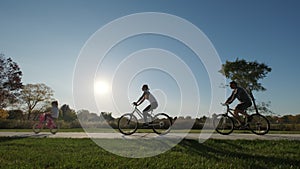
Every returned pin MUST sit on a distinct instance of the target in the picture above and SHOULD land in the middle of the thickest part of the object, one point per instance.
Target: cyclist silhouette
(245, 101)
(147, 96)
(54, 111)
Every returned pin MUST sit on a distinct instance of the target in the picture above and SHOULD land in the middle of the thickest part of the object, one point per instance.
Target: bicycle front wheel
(54, 129)
(127, 124)
(259, 124)
(223, 124)
(37, 127)
(161, 123)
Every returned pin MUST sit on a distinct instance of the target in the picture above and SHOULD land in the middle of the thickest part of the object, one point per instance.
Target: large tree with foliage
(247, 74)
(10, 81)
(33, 94)
(68, 114)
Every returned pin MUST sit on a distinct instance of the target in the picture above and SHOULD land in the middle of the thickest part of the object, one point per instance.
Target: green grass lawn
(84, 153)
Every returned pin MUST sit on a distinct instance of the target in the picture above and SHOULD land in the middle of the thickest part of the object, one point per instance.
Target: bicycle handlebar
(227, 106)
(134, 105)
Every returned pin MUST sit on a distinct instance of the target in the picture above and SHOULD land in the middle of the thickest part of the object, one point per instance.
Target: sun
(101, 87)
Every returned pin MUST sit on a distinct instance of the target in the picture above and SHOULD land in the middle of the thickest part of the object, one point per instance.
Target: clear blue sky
(45, 38)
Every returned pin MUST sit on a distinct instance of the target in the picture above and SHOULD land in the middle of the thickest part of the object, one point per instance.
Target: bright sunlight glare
(101, 87)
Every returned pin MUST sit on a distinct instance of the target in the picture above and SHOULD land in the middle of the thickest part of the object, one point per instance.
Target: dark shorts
(243, 106)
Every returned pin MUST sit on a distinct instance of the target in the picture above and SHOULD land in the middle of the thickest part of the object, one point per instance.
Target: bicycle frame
(160, 123)
(258, 123)
(229, 110)
(49, 123)
(141, 115)
(49, 120)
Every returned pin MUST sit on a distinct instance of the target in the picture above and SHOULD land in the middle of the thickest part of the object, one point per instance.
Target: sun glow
(101, 87)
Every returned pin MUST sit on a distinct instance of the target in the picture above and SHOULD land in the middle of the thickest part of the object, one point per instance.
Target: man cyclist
(147, 96)
(245, 101)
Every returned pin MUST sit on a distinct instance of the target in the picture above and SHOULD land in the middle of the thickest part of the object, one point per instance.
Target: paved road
(232, 136)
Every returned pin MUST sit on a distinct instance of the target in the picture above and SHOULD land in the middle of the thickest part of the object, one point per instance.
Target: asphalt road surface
(196, 136)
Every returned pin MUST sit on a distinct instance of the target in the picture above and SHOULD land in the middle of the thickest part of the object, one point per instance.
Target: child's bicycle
(160, 123)
(49, 123)
(225, 123)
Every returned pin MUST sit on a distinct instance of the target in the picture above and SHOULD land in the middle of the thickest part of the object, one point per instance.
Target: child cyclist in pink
(147, 96)
(54, 111)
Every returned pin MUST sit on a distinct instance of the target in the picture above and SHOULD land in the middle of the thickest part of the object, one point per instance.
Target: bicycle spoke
(54, 128)
(37, 127)
(223, 124)
(259, 124)
(161, 124)
(127, 124)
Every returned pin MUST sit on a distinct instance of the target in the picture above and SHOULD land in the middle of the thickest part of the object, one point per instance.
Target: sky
(48, 38)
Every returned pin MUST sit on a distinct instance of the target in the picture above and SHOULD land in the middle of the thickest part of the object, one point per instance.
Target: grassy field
(84, 153)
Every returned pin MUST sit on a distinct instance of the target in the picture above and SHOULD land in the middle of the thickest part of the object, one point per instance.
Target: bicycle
(225, 124)
(160, 123)
(49, 123)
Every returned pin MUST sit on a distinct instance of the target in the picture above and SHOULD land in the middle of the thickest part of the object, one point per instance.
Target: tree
(3, 114)
(83, 115)
(263, 107)
(15, 114)
(10, 81)
(246, 74)
(68, 114)
(33, 94)
(107, 116)
(86, 116)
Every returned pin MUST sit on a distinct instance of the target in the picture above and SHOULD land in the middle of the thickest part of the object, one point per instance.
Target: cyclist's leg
(241, 108)
(145, 112)
(237, 117)
(49, 120)
(54, 122)
(46, 117)
(149, 108)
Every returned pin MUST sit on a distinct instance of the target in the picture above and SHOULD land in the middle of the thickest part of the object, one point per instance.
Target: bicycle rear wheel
(161, 123)
(259, 124)
(37, 127)
(223, 124)
(54, 129)
(127, 124)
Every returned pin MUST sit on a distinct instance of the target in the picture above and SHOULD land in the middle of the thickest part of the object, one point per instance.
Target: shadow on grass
(227, 149)
(23, 136)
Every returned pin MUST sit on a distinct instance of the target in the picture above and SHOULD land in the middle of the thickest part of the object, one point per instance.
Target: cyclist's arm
(231, 98)
(141, 100)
